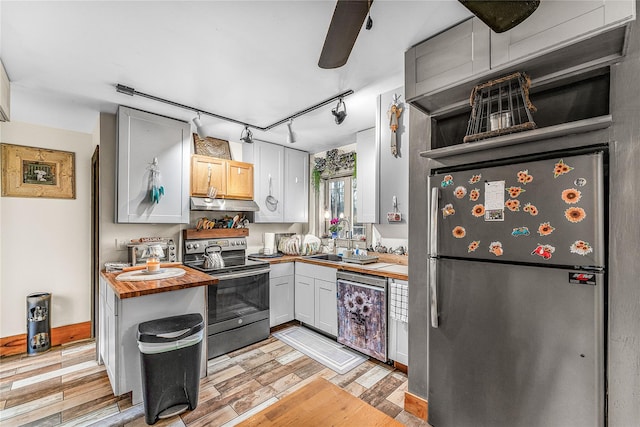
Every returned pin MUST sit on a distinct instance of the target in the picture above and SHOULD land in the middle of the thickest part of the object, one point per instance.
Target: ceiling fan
(502, 15)
(345, 25)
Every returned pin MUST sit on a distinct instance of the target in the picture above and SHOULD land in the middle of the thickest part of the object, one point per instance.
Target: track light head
(291, 136)
(246, 135)
(199, 127)
(340, 112)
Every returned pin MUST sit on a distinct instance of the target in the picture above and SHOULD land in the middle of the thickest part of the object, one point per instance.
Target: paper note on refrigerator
(494, 201)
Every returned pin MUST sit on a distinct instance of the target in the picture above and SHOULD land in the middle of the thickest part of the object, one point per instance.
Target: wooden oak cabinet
(232, 179)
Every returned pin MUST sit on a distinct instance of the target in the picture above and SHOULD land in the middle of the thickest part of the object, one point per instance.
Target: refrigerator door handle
(433, 245)
(433, 291)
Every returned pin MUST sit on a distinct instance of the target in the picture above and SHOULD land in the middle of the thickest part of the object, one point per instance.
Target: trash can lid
(170, 329)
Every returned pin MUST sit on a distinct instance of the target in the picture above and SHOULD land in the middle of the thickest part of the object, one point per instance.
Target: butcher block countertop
(383, 269)
(129, 289)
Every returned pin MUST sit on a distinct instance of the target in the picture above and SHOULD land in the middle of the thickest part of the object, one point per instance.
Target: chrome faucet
(347, 231)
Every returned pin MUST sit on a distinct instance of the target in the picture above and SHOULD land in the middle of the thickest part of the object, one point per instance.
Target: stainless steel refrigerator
(517, 293)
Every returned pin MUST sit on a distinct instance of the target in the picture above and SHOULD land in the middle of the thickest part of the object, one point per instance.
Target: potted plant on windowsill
(334, 228)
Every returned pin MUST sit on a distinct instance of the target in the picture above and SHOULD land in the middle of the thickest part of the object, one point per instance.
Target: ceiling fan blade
(347, 20)
(501, 16)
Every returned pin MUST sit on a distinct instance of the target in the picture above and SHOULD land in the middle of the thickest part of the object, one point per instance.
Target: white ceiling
(254, 61)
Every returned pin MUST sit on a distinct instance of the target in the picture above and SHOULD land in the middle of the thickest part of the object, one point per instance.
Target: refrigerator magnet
(515, 191)
(580, 182)
(513, 205)
(524, 177)
(475, 178)
(473, 246)
(460, 192)
(581, 247)
(571, 196)
(459, 232)
(561, 168)
(474, 194)
(575, 214)
(446, 181)
(494, 200)
(543, 251)
(478, 211)
(520, 231)
(448, 210)
(531, 209)
(545, 229)
(496, 248)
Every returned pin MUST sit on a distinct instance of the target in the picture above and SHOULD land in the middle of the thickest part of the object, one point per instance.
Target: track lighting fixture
(291, 136)
(340, 112)
(199, 128)
(246, 135)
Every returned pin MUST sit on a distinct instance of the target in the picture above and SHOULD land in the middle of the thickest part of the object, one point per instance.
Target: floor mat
(320, 348)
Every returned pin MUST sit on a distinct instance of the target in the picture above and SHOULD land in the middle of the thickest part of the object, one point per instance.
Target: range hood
(206, 204)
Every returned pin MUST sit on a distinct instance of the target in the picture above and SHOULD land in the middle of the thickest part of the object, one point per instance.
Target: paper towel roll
(269, 243)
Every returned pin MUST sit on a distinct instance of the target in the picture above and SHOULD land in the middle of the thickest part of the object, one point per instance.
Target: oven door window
(237, 298)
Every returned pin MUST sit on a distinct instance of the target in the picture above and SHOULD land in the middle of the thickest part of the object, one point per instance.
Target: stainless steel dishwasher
(362, 313)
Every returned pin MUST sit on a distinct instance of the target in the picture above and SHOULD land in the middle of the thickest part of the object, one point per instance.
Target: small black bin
(38, 323)
(170, 354)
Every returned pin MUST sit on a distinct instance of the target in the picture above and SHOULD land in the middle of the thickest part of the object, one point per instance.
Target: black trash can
(170, 354)
(38, 323)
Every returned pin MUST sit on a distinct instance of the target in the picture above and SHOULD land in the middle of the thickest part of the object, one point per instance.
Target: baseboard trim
(401, 367)
(416, 405)
(17, 344)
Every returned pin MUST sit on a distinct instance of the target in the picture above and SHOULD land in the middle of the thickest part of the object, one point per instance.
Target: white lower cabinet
(281, 285)
(315, 297)
(397, 333)
(119, 319)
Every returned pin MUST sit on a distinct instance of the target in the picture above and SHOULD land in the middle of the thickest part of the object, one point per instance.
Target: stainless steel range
(238, 309)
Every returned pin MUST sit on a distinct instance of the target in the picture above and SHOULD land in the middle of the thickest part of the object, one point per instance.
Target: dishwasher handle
(362, 285)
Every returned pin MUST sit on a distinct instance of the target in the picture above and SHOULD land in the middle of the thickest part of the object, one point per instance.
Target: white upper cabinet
(281, 182)
(296, 185)
(555, 24)
(368, 167)
(5, 95)
(447, 58)
(143, 137)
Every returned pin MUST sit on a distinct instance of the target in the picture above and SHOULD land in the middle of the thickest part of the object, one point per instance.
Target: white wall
(46, 243)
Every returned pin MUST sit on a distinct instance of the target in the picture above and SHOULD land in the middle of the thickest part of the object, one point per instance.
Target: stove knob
(189, 246)
(233, 243)
(196, 246)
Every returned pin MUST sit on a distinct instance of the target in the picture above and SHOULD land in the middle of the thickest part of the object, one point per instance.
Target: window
(340, 196)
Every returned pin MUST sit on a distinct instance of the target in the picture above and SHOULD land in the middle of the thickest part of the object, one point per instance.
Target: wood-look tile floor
(66, 387)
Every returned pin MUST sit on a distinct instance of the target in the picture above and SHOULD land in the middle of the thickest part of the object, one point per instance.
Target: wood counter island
(125, 304)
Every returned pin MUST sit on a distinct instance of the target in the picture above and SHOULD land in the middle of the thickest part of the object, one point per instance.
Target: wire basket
(499, 107)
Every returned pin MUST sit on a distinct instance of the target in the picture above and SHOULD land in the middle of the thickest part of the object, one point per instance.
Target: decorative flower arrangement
(359, 305)
(335, 225)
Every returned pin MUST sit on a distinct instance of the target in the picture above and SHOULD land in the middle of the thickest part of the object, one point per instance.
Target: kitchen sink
(327, 257)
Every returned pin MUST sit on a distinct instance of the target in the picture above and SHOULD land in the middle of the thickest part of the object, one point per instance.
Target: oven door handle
(242, 274)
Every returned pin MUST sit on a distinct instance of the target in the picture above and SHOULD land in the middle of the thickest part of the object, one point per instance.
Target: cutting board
(137, 275)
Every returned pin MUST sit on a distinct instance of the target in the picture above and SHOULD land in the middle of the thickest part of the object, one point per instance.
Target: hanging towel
(399, 305)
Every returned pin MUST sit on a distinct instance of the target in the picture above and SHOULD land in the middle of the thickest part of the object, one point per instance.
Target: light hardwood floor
(66, 387)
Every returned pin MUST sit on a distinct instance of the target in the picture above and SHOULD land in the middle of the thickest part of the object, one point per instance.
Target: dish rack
(360, 259)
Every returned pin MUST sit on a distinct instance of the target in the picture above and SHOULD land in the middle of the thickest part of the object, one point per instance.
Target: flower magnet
(459, 232)
(473, 246)
(545, 229)
(513, 205)
(475, 178)
(478, 211)
(496, 248)
(561, 168)
(515, 191)
(581, 247)
(575, 214)
(474, 194)
(571, 196)
(446, 181)
(524, 177)
(448, 210)
(531, 209)
(460, 192)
